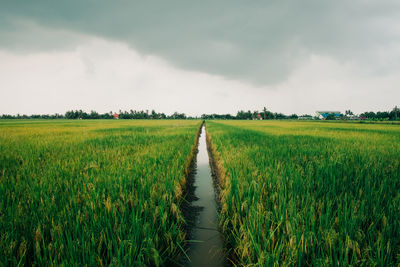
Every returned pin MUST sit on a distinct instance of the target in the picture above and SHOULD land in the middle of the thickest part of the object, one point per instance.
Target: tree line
(393, 115)
(93, 115)
(264, 114)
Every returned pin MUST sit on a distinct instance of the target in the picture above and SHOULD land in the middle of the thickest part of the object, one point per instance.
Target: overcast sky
(199, 56)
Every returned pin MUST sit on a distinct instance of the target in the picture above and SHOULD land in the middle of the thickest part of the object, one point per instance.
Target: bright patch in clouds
(105, 75)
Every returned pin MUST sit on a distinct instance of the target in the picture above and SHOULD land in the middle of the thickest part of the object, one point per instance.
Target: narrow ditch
(205, 247)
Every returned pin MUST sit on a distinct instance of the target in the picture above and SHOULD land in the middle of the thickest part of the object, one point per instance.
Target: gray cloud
(261, 42)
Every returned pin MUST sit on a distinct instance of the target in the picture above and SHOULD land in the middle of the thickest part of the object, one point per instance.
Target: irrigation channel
(206, 248)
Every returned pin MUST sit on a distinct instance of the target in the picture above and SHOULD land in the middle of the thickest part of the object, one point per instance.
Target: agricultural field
(109, 192)
(93, 192)
(308, 193)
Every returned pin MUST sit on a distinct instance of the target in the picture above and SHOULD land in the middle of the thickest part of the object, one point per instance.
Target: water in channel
(207, 246)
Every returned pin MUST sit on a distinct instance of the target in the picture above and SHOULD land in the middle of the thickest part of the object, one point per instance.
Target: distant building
(354, 117)
(324, 114)
(116, 116)
(259, 117)
(305, 117)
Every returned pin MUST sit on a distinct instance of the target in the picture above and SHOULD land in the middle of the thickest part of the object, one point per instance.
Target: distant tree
(330, 117)
(106, 115)
(242, 115)
(267, 115)
(395, 114)
(94, 115)
(249, 115)
(218, 116)
(369, 115)
(382, 115)
(177, 115)
(254, 114)
(279, 116)
(348, 113)
(154, 115)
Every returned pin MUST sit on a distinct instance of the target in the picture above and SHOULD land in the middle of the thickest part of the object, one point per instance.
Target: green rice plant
(93, 192)
(308, 193)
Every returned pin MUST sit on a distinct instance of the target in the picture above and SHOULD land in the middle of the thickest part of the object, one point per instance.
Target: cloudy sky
(199, 56)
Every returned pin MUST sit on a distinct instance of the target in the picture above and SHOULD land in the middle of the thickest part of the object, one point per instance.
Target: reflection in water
(206, 250)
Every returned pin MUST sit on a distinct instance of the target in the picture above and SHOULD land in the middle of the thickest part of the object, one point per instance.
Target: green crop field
(308, 193)
(112, 192)
(93, 192)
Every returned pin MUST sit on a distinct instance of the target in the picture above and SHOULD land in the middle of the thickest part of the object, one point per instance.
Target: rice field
(111, 192)
(93, 193)
(308, 193)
